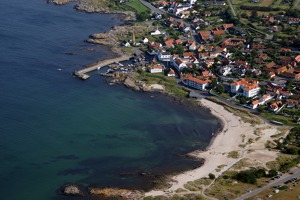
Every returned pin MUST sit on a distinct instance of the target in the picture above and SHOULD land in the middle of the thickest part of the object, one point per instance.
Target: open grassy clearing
(169, 83)
(285, 120)
(137, 6)
(283, 158)
(230, 188)
(281, 4)
(266, 3)
(197, 184)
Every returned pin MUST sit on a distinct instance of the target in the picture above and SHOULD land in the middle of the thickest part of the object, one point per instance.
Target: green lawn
(137, 5)
(285, 120)
(169, 83)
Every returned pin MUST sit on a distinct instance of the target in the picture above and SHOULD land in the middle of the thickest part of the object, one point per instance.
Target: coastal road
(280, 181)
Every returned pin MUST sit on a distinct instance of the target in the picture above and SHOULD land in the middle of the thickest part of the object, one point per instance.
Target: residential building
(164, 56)
(205, 35)
(171, 73)
(179, 64)
(226, 26)
(275, 106)
(156, 68)
(245, 87)
(199, 83)
(233, 42)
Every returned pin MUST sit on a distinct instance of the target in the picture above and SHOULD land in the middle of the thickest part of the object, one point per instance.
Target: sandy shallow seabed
(235, 133)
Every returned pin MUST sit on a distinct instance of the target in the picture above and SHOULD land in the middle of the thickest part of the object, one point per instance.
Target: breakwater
(83, 73)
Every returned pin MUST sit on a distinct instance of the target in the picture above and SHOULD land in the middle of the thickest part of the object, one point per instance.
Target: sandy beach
(235, 136)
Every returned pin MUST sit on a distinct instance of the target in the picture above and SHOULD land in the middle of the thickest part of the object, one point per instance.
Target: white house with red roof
(171, 73)
(156, 68)
(199, 83)
(179, 64)
(246, 87)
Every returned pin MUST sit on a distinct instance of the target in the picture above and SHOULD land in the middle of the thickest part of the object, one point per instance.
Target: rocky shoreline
(130, 80)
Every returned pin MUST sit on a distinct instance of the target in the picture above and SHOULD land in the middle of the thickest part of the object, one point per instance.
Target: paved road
(276, 182)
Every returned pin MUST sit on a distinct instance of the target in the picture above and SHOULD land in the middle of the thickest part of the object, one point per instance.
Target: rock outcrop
(59, 2)
(115, 192)
(72, 190)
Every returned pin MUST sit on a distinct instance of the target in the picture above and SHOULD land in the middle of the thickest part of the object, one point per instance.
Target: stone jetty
(82, 73)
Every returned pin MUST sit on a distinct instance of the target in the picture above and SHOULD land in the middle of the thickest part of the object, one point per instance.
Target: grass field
(285, 120)
(169, 83)
(230, 188)
(137, 5)
(266, 3)
(280, 4)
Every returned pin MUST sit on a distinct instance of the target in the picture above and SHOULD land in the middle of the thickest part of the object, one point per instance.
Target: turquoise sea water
(56, 129)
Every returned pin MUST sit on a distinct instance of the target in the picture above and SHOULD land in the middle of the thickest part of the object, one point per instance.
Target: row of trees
(251, 175)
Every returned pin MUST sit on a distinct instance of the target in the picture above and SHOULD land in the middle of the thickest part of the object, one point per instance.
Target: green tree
(260, 173)
(260, 109)
(246, 177)
(211, 176)
(179, 49)
(292, 150)
(220, 88)
(272, 173)
(213, 83)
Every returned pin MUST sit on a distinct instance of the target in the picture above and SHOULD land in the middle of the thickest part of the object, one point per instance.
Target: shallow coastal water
(56, 129)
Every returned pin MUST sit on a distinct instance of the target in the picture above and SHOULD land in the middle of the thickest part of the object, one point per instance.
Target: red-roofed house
(246, 87)
(199, 83)
(297, 59)
(187, 54)
(232, 42)
(226, 26)
(171, 72)
(293, 20)
(156, 68)
(218, 32)
(255, 104)
(204, 35)
(169, 43)
(275, 106)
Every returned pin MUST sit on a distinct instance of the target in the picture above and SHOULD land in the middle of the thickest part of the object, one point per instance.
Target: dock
(82, 74)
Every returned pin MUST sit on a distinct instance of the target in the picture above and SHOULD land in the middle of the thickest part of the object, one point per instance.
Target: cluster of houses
(202, 56)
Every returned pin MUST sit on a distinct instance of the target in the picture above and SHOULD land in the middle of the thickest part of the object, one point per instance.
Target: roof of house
(198, 80)
(233, 42)
(218, 32)
(255, 102)
(188, 54)
(246, 82)
(297, 58)
(226, 26)
(156, 67)
(204, 35)
(171, 71)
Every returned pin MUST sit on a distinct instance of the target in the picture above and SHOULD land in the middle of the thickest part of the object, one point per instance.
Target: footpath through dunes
(82, 73)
